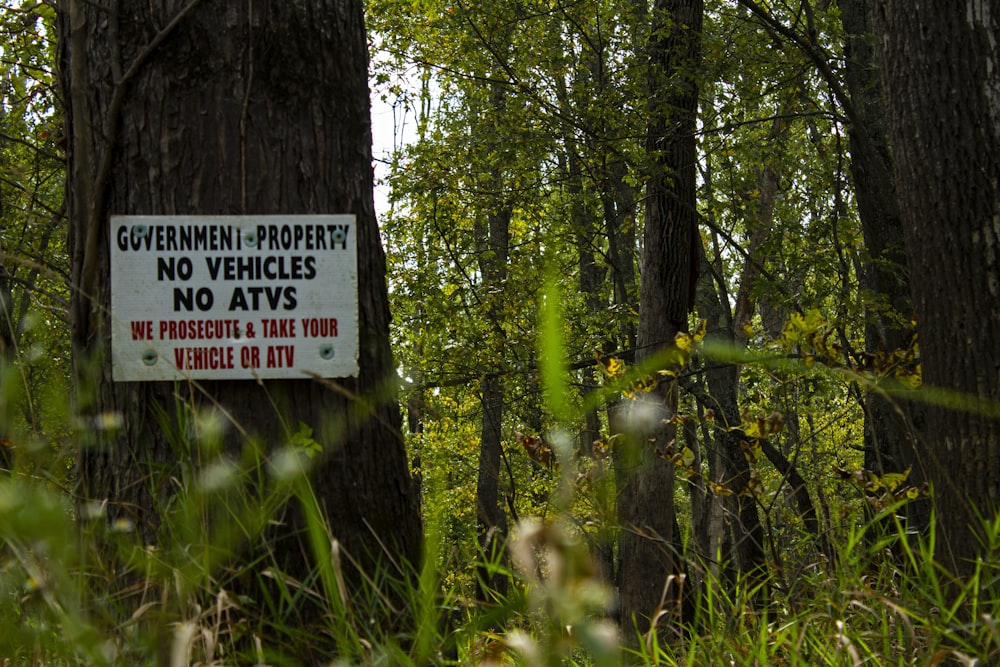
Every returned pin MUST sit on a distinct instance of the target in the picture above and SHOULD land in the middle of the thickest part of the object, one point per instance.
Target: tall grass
(884, 601)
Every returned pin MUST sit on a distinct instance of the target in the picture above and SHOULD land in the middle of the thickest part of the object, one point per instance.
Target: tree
(941, 74)
(32, 286)
(891, 423)
(230, 108)
(492, 238)
(647, 563)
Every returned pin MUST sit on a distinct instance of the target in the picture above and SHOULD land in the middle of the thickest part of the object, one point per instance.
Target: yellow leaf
(910, 379)
(699, 332)
(720, 489)
(687, 456)
(892, 480)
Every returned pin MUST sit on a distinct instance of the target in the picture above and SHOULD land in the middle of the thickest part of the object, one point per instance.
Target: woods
(675, 334)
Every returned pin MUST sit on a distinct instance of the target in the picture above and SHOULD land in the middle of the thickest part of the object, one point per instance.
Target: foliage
(537, 110)
(885, 602)
(33, 254)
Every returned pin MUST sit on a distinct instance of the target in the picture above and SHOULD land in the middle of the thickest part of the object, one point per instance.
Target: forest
(676, 331)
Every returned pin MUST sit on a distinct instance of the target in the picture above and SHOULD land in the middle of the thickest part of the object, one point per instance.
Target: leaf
(910, 379)
(751, 449)
(892, 480)
(303, 439)
(719, 489)
(686, 457)
(699, 332)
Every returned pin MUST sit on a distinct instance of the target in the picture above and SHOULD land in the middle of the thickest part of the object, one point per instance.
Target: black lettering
(200, 237)
(239, 300)
(273, 296)
(185, 269)
(290, 301)
(269, 271)
(213, 266)
(204, 298)
(245, 267)
(255, 292)
(183, 299)
(165, 269)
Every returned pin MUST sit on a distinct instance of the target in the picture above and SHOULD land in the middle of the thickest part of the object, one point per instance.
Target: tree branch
(112, 119)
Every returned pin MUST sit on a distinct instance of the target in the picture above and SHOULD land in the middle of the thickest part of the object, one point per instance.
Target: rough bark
(230, 108)
(941, 76)
(891, 424)
(648, 564)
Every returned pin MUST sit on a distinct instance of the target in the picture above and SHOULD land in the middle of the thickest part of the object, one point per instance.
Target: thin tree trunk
(493, 250)
(891, 424)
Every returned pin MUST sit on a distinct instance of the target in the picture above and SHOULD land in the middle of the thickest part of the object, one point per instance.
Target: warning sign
(233, 297)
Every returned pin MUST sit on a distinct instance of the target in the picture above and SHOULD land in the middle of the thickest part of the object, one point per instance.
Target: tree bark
(493, 251)
(214, 108)
(648, 565)
(891, 424)
(723, 389)
(941, 75)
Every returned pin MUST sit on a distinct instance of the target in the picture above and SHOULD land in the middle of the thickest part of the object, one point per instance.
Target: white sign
(233, 297)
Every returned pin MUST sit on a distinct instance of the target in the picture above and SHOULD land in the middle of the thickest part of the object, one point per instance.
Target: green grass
(885, 602)
(77, 591)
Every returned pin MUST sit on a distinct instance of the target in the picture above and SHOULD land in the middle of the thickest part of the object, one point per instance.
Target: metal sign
(233, 297)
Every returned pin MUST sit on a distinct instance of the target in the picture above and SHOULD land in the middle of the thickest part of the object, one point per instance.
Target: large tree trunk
(225, 107)
(941, 75)
(648, 562)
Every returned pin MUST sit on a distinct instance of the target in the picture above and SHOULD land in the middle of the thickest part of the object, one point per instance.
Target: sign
(233, 297)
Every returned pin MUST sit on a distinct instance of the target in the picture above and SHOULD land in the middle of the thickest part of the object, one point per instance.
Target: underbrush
(74, 590)
(79, 589)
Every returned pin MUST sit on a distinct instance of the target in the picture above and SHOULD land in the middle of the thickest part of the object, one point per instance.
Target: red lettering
(280, 356)
(202, 358)
(313, 327)
(284, 328)
(199, 329)
(142, 330)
